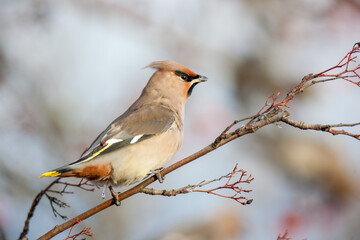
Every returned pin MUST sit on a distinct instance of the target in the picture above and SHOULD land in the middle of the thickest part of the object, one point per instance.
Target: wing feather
(130, 128)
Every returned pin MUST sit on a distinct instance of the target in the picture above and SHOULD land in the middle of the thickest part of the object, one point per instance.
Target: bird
(144, 138)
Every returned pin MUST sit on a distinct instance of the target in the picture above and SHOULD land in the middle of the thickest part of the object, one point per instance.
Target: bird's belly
(133, 163)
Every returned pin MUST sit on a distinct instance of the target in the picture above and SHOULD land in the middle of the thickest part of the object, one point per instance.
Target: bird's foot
(158, 175)
(115, 196)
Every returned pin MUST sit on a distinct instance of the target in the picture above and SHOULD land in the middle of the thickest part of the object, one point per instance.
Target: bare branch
(83, 184)
(32, 209)
(167, 193)
(85, 231)
(321, 127)
(285, 236)
(227, 129)
(234, 187)
(55, 201)
(349, 71)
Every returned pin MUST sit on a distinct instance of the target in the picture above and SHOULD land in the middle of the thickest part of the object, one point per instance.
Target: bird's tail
(59, 172)
(92, 172)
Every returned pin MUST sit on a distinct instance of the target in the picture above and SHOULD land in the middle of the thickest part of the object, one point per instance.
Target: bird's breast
(133, 163)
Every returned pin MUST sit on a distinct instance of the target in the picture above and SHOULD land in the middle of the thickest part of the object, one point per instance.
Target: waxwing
(142, 139)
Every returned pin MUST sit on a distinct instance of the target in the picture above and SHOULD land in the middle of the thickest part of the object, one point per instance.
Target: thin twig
(323, 127)
(59, 203)
(53, 200)
(84, 184)
(223, 133)
(285, 236)
(32, 209)
(227, 186)
(85, 231)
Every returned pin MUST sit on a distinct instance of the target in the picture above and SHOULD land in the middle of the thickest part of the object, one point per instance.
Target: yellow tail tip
(50, 174)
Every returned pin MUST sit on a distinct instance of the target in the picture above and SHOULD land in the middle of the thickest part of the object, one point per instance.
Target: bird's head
(173, 78)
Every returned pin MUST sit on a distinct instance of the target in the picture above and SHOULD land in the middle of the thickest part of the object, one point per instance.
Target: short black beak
(201, 79)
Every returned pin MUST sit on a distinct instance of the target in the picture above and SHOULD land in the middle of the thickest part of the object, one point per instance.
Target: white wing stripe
(113, 140)
(135, 139)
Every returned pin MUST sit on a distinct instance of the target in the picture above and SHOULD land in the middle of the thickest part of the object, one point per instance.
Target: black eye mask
(186, 77)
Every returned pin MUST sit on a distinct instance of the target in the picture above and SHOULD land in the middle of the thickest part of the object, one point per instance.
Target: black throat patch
(191, 89)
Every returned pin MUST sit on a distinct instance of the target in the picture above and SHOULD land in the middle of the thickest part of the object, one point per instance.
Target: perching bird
(142, 139)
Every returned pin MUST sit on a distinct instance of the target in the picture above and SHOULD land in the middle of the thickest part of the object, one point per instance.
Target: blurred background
(68, 68)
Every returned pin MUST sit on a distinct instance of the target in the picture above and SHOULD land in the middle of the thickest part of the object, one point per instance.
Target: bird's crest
(171, 66)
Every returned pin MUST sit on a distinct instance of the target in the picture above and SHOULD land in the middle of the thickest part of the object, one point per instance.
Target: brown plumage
(100, 172)
(171, 66)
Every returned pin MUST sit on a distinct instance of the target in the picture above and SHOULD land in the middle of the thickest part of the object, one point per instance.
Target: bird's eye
(184, 77)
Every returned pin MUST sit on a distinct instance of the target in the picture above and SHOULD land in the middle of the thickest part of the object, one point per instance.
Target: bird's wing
(130, 128)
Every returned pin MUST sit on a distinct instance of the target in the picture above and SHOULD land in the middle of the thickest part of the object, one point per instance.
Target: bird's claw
(115, 196)
(158, 175)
